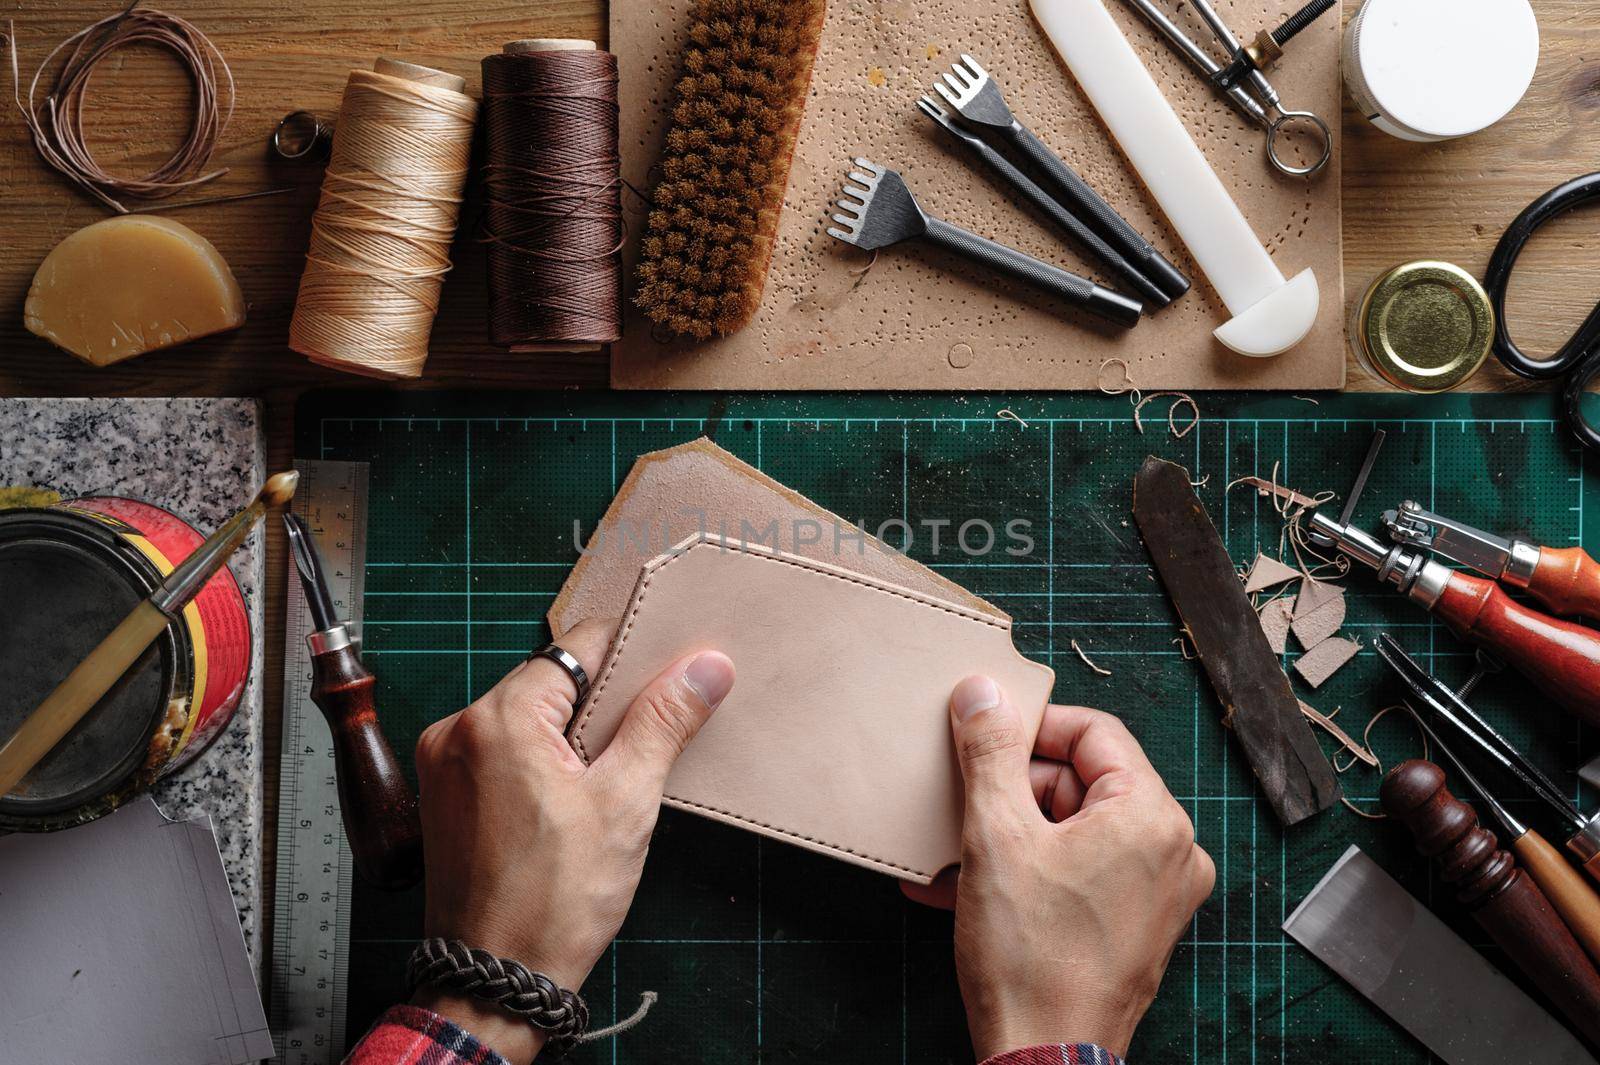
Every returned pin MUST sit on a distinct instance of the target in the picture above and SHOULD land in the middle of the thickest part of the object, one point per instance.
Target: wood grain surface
(1402, 201)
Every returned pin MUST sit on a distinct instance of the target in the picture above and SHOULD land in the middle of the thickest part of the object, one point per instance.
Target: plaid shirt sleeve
(1057, 1054)
(409, 1035)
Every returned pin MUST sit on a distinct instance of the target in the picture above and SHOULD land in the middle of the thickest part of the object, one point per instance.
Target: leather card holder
(836, 736)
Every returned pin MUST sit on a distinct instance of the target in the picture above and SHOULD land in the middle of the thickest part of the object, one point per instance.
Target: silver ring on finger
(574, 669)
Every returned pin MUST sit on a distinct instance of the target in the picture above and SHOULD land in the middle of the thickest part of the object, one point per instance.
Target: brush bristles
(725, 165)
(279, 488)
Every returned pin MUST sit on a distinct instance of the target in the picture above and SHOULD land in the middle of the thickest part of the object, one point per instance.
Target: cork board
(919, 318)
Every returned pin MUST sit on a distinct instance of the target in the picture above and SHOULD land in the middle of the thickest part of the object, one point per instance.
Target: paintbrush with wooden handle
(93, 677)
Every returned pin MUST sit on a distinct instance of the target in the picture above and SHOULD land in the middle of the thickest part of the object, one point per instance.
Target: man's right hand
(1079, 873)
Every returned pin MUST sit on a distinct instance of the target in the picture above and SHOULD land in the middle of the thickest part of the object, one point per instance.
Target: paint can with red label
(69, 573)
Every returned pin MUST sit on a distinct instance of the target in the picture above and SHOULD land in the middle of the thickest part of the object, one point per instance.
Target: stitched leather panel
(836, 736)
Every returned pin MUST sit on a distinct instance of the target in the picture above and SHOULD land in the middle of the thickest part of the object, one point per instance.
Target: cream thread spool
(380, 239)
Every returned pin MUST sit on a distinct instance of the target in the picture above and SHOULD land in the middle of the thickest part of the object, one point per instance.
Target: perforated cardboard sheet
(914, 317)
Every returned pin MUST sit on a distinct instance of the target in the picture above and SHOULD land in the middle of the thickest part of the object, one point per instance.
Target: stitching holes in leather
(633, 615)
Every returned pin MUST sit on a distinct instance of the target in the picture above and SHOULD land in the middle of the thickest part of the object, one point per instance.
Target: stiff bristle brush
(725, 165)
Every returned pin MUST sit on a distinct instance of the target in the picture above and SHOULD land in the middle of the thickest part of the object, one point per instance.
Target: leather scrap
(1319, 624)
(1313, 595)
(1211, 603)
(1325, 659)
(836, 736)
(1267, 573)
(1275, 622)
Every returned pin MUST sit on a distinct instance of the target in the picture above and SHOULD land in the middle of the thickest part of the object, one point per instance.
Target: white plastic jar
(1432, 70)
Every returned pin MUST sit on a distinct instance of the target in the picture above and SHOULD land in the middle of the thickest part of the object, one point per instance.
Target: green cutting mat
(765, 953)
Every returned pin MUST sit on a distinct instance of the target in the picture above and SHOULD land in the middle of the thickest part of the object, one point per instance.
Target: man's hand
(1079, 873)
(531, 854)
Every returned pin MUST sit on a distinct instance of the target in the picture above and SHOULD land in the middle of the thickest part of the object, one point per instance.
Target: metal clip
(1494, 556)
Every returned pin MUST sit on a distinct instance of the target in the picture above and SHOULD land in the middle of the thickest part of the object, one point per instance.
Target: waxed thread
(553, 222)
(55, 121)
(380, 238)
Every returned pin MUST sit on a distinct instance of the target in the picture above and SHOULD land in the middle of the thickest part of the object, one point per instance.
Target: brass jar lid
(1424, 326)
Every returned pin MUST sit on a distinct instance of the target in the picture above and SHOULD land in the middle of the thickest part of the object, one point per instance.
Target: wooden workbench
(1402, 201)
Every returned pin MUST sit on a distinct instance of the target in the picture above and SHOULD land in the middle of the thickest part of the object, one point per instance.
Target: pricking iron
(878, 210)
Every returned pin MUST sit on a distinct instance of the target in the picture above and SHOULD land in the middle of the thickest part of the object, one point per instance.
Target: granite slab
(200, 459)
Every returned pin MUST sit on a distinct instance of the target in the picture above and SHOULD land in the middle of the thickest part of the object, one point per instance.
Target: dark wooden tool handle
(1571, 895)
(1560, 657)
(1567, 581)
(377, 803)
(1507, 904)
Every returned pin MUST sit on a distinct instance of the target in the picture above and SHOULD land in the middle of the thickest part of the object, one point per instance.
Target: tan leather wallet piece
(836, 736)
(698, 487)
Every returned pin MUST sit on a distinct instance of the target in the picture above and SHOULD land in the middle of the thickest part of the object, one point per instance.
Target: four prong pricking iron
(977, 98)
(878, 210)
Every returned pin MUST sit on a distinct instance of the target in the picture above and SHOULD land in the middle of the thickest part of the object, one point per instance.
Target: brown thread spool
(1502, 899)
(380, 240)
(553, 221)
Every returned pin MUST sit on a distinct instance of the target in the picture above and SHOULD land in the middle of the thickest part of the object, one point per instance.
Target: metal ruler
(311, 926)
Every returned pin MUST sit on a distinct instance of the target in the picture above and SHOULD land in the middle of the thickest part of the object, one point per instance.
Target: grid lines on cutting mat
(766, 953)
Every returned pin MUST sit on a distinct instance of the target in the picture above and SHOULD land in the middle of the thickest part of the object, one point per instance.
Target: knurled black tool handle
(1078, 197)
(1090, 241)
(1079, 291)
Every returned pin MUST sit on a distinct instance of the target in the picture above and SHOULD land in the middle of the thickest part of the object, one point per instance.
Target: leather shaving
(1320, 624)
(1328, 725)
(1009, 415)
(1127, 385)
(1275, 623)
(1172, 426)
(1086, 660)
(1266, 572)
(1276, 492)
(1377, 763)
(1325, 659)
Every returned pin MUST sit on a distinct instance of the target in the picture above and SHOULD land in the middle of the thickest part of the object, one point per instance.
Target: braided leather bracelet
(509, 984)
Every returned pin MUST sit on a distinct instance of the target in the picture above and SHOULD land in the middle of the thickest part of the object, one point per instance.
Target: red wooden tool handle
(377, 803)
(1567, 581)
(1561, 657)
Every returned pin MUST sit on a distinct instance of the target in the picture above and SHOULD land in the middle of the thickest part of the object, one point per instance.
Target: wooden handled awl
(376, 802)
(1437, 707)
(1507, 904)
(1571, 895)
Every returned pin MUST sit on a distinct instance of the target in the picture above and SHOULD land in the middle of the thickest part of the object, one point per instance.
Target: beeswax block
(129, 285)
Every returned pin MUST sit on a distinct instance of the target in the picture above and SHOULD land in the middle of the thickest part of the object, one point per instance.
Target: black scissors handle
(1579, 357)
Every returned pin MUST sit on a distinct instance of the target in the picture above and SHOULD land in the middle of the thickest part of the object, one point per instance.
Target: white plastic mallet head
(1270, 315)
